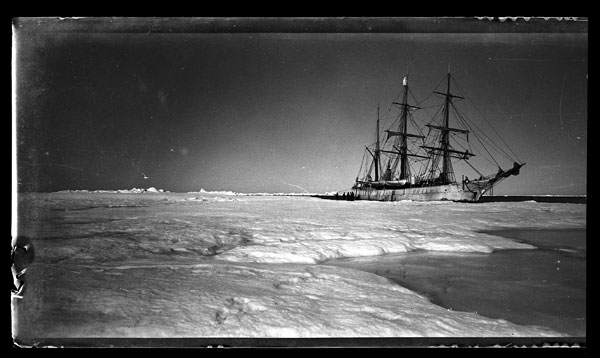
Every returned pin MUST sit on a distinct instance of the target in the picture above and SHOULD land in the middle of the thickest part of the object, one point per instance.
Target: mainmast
(447, 173)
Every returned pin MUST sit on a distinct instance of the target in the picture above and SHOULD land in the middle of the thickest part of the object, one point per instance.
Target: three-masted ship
(417, 162)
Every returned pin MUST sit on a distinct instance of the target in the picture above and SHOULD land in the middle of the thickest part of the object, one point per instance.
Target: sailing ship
(417, 158)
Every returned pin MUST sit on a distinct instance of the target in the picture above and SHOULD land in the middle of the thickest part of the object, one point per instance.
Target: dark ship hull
(466, 191)
(451, 192)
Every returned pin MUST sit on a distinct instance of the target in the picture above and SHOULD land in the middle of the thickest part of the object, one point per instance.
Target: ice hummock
(118, 191)
(175, 264)
(221, 192)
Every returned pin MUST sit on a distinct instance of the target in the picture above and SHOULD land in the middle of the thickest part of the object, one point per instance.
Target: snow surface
(216, 265)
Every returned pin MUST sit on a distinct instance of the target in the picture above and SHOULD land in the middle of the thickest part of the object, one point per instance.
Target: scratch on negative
(297, 186)
(561, 99)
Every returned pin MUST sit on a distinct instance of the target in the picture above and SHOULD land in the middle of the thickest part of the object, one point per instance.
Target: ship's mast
(377, 149)
(404, 169)
(446, 172)
(442, 150)
(445, 142)
(400, 146)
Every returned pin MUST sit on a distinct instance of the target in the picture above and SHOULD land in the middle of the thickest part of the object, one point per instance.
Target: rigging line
(475, 133)
(431, 93)
(473, 151)
(384, 120)
(481, 156)
(419, 160)
(437, 105)
(438, 112)
(488, 122)
(472, 167)
(496, 146)
(426, 98)
(484, 147)
(434, 167)
(370, 168)
(410, 92)
(412, 121)
(361, 164)
(459, 144)
(489, 139)
(386, 117)
(428, 114)
(419, 120)
(464, 119)
(431, 163)
(417, 102)
(396, 119)
(390, 108)
(464, 140)
(484, 117)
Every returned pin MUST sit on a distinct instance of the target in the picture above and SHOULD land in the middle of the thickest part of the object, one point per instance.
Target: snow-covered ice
(211, 264)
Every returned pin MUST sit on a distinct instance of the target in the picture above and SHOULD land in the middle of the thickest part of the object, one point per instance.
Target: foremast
(400, 153)
(404, 168)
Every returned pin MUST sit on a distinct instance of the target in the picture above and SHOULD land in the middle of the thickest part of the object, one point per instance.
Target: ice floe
(166, 265)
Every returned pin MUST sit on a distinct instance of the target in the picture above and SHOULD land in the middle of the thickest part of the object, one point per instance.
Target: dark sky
(277, 112)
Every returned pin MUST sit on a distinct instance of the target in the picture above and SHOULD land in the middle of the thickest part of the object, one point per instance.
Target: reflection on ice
(546, 286)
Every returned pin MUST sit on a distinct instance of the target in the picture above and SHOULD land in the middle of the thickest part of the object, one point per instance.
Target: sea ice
(212, 265)
(206, 298)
